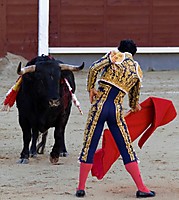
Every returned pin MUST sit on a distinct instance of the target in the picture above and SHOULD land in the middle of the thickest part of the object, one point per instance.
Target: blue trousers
(107, 107)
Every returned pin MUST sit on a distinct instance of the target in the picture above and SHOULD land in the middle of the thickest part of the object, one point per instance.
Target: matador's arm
(134, 93)
(95, 68)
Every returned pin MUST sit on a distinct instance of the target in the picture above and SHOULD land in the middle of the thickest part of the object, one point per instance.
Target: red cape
(155, 112)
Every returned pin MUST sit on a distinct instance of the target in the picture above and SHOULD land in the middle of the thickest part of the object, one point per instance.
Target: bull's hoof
(33, 155)
(23, 161)
(64, 154)
(54, 161)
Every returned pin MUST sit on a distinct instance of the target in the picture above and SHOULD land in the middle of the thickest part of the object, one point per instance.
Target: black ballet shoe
(80, 193)
(140, 194)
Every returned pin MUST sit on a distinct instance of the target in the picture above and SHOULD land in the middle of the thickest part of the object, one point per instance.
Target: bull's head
(46, 79)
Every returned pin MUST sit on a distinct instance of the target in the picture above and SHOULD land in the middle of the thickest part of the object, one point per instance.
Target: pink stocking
(134, 171)
(84, 171)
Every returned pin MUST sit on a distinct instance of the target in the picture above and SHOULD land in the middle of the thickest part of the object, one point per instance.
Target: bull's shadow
(44, 101)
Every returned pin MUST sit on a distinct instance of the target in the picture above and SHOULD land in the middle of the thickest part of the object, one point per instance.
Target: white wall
(43, 29)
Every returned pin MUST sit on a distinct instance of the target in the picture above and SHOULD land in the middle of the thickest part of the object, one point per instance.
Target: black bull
(44, 101)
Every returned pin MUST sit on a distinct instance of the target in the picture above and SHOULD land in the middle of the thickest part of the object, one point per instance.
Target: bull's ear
(71, 67)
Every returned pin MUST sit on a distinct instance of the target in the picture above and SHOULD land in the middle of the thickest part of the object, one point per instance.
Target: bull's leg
(62, 150)
(33, 149)
(24, 156)
(59, 148)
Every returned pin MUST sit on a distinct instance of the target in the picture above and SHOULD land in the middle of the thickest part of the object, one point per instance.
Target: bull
(44, 101)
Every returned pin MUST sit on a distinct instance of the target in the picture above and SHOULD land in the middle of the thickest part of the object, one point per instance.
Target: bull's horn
(24, 70)
(71, 67)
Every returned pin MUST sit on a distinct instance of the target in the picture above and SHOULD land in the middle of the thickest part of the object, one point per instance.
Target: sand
(159, 158)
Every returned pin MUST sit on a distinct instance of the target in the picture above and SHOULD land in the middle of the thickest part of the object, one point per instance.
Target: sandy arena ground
(159, 158)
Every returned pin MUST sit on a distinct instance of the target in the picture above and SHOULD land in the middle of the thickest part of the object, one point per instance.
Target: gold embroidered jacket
(118, 69)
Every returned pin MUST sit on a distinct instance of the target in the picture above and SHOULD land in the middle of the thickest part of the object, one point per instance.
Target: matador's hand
(137, 108)
(92, 94)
